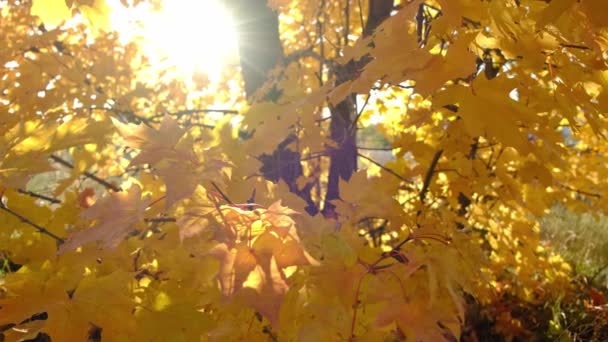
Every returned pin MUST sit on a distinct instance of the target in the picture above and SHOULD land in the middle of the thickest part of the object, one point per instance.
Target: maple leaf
(279, 218)
(267, 291)
(155, 144)
(51, 12)
(513, 96)
(114, 216)
(181, 178)
(70, 311)
(420, 322)
(255, 274)
(197, 213)
(172, 156)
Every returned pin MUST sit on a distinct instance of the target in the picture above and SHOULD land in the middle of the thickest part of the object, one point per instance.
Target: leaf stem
(356, 307)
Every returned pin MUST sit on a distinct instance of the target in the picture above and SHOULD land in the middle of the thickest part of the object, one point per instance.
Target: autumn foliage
(162, 217)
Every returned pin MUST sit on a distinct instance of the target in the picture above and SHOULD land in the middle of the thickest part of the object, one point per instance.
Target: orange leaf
(115, 216)
(86, 198)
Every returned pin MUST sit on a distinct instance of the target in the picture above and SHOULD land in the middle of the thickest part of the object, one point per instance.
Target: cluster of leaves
(187, 239)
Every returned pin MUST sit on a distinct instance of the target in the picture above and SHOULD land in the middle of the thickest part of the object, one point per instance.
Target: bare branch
(580, 192)
(87, 174)
(375, 148)
(429, 175)
(222, 193)
(39, 196)
(160, 219)
(384, 168)
(39, 228)
(184, 112)
(354, 124)
(574, 46)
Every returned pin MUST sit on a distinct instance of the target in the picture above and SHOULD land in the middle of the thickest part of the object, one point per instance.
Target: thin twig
(309, 52)
(39, 196)
(475, 23)
(87, 174)
(201, 125)
(580, 192)
(474, 147)
(160, 219)
(321, 34)
(347, 24)
(361, 111)
(356, 307)
(214, 200)
(375, 148)
(23, 219)
(181, 113)
(429, 175)
(574, 46)
(384, 168)
(222, 193)
(156, 201)
(361, 14)
(598, 272)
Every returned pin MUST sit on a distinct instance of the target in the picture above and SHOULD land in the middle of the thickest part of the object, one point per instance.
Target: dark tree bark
(343, 130)
(379, 10)
(260, 50)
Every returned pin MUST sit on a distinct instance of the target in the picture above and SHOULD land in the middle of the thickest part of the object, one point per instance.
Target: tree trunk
(260, 50)
(343, 130)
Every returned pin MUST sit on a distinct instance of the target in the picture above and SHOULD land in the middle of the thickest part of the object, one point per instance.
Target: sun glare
(190, 35)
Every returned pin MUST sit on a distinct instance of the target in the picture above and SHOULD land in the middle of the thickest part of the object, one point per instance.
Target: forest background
(363, 170)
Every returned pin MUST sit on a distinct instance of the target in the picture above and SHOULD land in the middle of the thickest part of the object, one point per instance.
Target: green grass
(581, 239)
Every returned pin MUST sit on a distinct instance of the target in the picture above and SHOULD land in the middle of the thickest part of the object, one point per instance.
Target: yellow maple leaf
(51, 12)
(155, 144)
(98, 14)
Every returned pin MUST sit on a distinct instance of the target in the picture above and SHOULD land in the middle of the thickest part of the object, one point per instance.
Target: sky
(190, 35)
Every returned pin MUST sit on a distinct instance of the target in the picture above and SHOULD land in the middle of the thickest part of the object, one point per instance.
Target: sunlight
(190, 35)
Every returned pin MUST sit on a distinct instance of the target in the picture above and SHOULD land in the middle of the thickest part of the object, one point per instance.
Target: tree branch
(222, 194)
(39, 228)
(429, 175)
(379, 10)
(384, 168)
(160, 219)
(580, 192)
(259, 43)
(184, 112)
(39, 196)
(343, 158)
(375, 148)
(87, 174)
